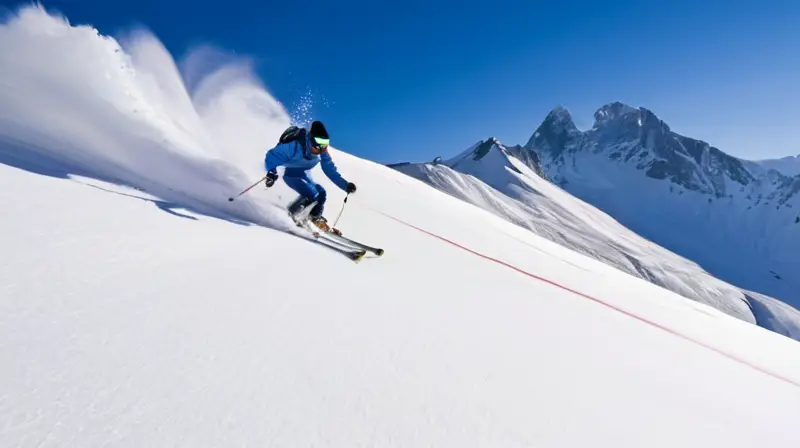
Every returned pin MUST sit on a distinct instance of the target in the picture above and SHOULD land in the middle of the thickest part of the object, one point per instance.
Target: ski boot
(321, 223)
(299, 210)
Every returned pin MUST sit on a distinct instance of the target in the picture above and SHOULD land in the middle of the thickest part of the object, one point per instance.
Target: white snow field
(139, 308)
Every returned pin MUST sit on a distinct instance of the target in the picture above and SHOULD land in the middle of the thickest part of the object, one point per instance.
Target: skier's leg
(321, 197)
(296, 180)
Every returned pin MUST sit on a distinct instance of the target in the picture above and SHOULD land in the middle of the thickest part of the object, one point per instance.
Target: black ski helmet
(318, 130)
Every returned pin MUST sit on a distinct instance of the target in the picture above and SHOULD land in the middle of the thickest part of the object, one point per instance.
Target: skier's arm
(276, 157)
(330, 170)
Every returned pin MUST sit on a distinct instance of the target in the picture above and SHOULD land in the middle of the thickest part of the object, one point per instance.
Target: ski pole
(342, 210)
(247, 189)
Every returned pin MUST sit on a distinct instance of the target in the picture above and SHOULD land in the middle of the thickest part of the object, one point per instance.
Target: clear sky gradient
(411, 80)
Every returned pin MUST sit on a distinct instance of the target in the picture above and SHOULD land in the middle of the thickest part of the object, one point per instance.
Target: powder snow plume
(76, 102)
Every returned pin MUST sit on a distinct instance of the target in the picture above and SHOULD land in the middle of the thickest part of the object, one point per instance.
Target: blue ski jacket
(294, 155)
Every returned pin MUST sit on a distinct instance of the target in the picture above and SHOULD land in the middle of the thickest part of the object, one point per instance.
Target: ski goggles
(320, 145)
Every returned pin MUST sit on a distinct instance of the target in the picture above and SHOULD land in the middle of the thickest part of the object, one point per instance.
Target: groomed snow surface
(139, 308)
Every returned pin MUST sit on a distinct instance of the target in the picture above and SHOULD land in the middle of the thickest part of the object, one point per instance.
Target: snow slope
(493, 177)
(131, 319)
(130, 325)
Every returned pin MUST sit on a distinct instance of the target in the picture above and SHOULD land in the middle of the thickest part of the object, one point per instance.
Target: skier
(299, 151)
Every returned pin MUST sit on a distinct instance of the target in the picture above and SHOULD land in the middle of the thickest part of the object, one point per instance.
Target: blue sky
(411, 80)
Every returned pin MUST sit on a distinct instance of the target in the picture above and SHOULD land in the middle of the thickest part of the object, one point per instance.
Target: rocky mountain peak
(481, 150)
(637, 137)
(556, 130)
(559, 119)
(620, 114)
(613, 111)
(484, 147)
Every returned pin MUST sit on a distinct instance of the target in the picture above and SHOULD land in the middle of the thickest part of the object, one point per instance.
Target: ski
(353, 254)
(337, 235)
(353, 249)
(357, 256)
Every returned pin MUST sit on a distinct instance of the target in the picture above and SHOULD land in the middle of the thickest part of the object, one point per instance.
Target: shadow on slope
(775, 315)
(168, 207)
(17, 155)
(26, 158)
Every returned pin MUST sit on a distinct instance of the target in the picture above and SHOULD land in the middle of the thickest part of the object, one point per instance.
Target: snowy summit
(733, 217)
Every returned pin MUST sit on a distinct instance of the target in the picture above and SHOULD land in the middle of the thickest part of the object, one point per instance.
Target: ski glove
(351, 187)
(271, 178)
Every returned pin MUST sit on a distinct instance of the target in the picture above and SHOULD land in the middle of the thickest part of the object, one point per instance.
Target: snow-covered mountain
(736, 218)
(495, 178)
(789, 166)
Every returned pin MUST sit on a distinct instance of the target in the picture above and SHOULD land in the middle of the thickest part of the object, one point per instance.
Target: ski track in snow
(139, 308)
(605, 304)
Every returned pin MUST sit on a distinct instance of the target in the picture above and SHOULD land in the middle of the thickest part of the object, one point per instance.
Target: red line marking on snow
(606, 304)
